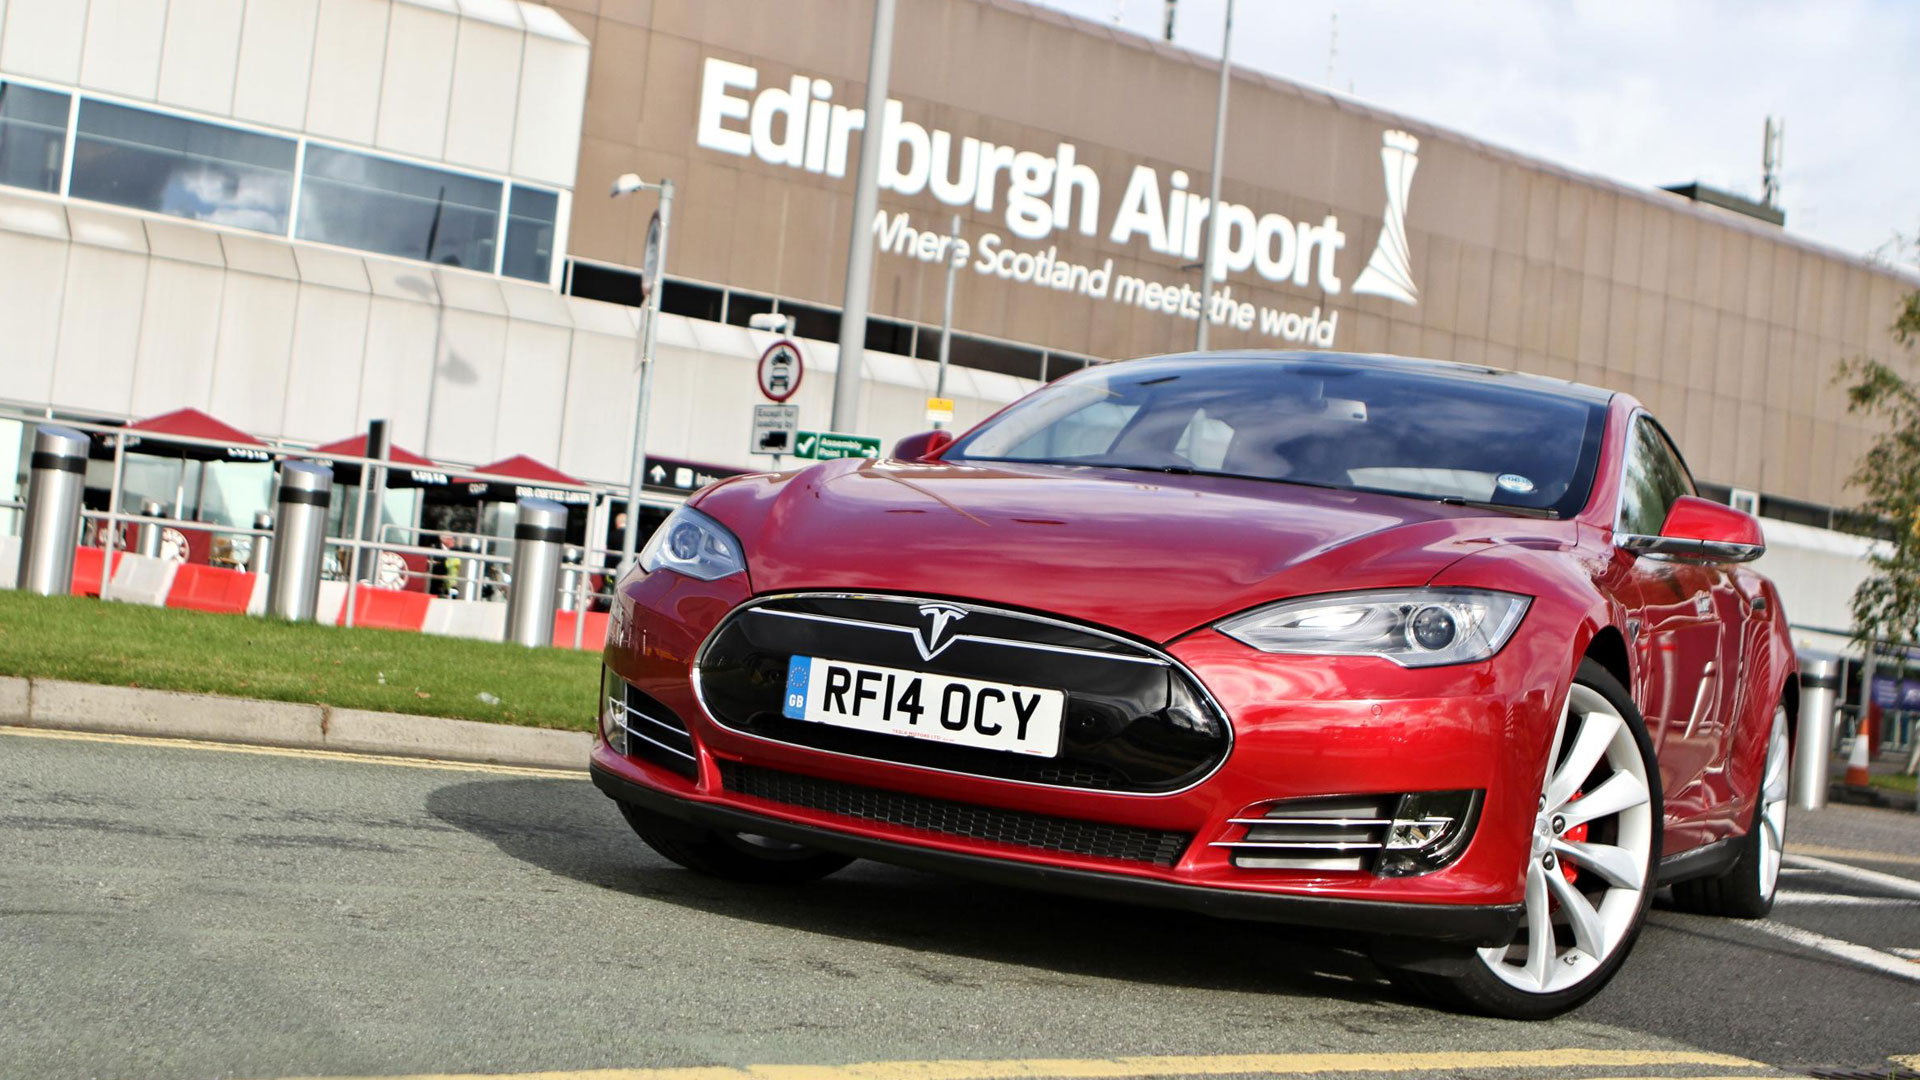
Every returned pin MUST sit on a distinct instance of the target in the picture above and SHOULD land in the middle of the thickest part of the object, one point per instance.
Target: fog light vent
(1390, 835)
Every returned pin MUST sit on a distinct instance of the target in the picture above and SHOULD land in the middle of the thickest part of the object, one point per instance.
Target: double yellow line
(1451, 1063)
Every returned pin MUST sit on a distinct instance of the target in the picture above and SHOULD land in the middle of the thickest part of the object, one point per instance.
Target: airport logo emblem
(933, 638)
(1390, 272)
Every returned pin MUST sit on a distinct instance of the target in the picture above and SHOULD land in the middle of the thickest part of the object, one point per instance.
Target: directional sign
(683, 477)
(780, 370)
(773, 429)
(831, 445)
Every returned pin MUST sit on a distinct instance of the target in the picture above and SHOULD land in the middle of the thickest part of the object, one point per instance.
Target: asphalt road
(171, 911)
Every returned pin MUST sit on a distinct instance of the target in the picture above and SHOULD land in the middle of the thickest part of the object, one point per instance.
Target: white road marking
(1845, 950)
(1911, 954)
(1785, 896)
(1903, 886)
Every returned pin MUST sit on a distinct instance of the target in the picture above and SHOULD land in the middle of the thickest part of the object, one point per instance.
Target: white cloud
(1644, 92)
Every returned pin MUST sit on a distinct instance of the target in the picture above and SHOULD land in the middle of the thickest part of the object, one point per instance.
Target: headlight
(1411, 627)
(691, 543)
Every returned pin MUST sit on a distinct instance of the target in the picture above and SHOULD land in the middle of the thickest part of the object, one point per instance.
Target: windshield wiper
(1505, 508)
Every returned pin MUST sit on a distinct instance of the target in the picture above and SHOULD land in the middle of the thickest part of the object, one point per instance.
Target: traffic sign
(832, 445)
(780, 370)
(650, 259)
(773, 429)
(940, 410)
(683, 477)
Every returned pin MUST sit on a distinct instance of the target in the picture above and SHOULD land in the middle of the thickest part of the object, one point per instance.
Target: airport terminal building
(301, 215)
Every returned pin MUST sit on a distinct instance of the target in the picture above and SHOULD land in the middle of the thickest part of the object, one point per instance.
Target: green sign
(829, 445)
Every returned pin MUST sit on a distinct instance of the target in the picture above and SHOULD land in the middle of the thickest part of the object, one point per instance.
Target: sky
(1646, 92)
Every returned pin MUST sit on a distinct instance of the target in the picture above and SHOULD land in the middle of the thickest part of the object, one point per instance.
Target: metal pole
(149, 543)
(293, 568)
(113, 514)
(537, 535)
(56, 487)
(649, 335)
(866, 203)
(1819, 680)
(1213, 197)
(946, 319)
(373, 485)
(260, 555)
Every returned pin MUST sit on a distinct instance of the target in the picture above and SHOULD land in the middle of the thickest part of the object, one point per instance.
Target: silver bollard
(470, 567)
(536, 571)
(570, 580)
(1813, 738)
(149, 544)
(260, 554)
(299, 541)
(52, 525)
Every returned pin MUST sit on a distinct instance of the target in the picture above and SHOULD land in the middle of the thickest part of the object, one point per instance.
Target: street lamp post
(644, 348)
(1213, 198)
(866, 203)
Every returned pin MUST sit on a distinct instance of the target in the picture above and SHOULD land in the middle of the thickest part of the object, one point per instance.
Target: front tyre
(1589, 876)
(1745, 890)
(760, 860)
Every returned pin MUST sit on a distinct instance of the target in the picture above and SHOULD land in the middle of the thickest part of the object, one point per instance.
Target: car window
(1426, 432)
(1655, 477)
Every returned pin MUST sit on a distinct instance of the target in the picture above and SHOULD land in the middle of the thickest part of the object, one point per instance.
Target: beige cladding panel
(1728, 328)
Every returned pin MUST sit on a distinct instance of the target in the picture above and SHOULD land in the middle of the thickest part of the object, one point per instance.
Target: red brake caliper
(1576, 835)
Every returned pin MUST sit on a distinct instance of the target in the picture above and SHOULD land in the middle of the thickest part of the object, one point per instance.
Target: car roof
(1540, 384)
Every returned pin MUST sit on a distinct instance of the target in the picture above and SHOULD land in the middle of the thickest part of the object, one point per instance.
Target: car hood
(1150, 554)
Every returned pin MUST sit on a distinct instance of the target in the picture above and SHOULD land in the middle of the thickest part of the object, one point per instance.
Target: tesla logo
(1390, 272)
(935, 631)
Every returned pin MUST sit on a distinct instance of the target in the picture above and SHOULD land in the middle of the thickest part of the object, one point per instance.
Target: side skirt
(1703, 861)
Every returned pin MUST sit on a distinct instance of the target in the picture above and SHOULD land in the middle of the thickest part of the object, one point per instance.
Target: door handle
(1703, 604)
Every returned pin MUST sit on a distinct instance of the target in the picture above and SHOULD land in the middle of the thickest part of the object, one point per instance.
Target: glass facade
(33, 136)
(184, 168)
(165, 163)
(395, 208)
(532, 215)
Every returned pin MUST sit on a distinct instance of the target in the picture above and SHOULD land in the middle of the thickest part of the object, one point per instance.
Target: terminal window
(184, 168)
(531, 215)
(396, 208)
(33, 136)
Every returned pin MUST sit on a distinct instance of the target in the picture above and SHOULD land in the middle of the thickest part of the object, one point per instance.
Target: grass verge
(1893, 782)
(86, 640)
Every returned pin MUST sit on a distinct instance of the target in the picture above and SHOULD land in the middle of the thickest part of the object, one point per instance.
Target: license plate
(938, 708)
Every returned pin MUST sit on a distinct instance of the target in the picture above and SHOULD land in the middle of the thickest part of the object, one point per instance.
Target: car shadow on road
(570, 829)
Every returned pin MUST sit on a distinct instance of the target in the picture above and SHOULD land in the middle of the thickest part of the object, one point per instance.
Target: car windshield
(1472, 438)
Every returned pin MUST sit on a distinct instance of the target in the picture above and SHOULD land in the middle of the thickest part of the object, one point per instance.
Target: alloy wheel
(1773, 805)
(1588, 864)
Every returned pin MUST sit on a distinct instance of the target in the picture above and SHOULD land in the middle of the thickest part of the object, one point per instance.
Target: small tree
(1886, 606)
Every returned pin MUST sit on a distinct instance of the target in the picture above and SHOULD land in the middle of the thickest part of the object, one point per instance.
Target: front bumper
(1461, 924)
(1302, 728)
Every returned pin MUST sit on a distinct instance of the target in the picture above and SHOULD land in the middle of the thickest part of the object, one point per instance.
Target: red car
(1449, 657)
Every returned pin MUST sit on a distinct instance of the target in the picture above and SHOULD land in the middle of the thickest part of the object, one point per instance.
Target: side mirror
(925, 446)
(1698, 528)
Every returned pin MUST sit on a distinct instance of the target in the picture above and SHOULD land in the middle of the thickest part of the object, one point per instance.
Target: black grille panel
(1069, 835)
(1134, 721)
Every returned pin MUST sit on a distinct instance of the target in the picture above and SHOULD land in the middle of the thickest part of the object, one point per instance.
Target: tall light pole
(1213, 196)
(866, 203)
(654, 264)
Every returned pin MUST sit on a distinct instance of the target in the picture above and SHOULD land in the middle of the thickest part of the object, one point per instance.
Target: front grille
(1135, 721)
(654, 732)
(1122, 842)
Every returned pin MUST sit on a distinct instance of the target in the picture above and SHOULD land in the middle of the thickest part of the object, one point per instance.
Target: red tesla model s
(1449, 657)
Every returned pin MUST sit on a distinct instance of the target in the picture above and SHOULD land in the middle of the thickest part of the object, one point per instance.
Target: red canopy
(523, 467)
(235, 445)
(540, 478)
(408, 470)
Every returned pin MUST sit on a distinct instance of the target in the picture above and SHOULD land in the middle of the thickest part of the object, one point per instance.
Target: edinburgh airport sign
(800, 126)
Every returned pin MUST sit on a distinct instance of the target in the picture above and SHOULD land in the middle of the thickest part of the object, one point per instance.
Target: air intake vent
(652, 731)
(1068, 835)
(1390, 835)
(1314, 834)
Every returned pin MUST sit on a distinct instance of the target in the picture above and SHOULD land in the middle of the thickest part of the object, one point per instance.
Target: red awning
(408, 469)
(235, 445)
(542, 482)
(522, 467)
